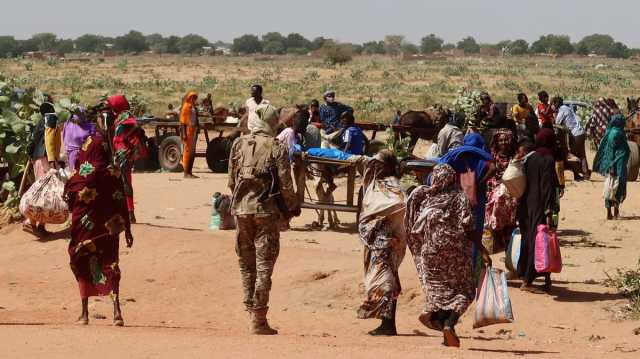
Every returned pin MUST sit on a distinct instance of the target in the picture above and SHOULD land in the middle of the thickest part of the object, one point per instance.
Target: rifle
(274, 192)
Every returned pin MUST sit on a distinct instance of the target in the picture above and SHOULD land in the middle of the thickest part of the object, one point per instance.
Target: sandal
(427, 321)
(450, 337)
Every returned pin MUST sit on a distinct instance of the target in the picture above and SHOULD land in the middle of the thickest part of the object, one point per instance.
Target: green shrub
(627, 282)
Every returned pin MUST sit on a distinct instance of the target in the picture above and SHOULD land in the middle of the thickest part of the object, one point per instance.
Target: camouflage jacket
(250, 157)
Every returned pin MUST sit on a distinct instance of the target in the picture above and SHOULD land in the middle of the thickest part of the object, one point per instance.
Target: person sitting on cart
(354, 142)
(293, 136)
(330, 114)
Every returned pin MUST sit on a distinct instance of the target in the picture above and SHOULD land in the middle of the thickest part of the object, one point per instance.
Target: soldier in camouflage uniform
(257, 211)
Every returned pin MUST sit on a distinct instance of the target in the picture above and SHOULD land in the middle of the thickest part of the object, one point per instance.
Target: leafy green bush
(400, 146)
(627, 282)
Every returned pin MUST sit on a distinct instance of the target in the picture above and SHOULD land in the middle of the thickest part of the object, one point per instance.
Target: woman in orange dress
(189, 133)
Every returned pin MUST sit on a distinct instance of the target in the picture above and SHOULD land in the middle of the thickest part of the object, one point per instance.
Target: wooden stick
(25, 175)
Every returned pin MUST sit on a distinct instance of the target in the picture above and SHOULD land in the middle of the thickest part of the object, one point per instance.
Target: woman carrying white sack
(45, 154)
(382, 233)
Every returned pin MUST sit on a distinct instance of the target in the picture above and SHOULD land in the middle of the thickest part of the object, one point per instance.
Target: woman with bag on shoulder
(500, 217)
(611, 162)
(382, 233)
(537, 205)
(45, 154)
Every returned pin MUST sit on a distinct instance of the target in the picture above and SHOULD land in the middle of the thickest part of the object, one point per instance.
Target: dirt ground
(182, 296)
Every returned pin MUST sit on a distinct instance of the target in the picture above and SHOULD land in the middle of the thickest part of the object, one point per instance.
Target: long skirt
(382, 258)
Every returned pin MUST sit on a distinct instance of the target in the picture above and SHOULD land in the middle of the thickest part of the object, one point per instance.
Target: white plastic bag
(514, 178)
(611, 184)
(493, 305)
(43, 202)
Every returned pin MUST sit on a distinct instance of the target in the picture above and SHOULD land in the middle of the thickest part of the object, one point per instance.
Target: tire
(218, 151)
(633, 166)
(170, 154)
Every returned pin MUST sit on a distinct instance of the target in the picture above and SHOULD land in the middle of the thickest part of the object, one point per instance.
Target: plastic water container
(214, 223)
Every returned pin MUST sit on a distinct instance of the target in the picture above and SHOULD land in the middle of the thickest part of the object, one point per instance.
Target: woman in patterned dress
(440, 233)
(382, 232)
(500, 217)
(96, 198)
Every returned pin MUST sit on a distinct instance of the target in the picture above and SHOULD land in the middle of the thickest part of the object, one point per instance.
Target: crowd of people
(442, 221)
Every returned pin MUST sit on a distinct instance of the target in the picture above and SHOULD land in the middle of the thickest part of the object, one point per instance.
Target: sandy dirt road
(182, 297)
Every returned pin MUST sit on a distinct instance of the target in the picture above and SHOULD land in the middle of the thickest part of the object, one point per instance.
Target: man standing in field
(260, 179)
(330, 114)
(252, 104)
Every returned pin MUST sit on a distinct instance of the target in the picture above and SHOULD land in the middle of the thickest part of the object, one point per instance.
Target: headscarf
(118, 104)
(443, 178)
(502, 136)
(266, 122)
(546, 142)
(472, 155)
(123, 119)
(614, 149)
(187, 108)
(383, 194)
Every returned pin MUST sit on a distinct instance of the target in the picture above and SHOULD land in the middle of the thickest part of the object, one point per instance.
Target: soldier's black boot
(388, 326)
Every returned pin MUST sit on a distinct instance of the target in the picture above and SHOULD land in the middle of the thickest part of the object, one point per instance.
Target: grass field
(375, 86)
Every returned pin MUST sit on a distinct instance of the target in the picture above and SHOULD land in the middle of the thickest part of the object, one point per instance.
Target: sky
(345, 20)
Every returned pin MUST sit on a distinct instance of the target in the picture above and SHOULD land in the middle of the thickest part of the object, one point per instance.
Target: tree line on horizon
(275, 43)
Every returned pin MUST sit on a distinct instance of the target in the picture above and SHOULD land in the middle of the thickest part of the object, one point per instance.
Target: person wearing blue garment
(473, 156)
(611, 160)
(354, 142)
(330, 114)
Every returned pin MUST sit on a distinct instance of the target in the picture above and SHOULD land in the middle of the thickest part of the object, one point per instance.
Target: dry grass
(375, 86)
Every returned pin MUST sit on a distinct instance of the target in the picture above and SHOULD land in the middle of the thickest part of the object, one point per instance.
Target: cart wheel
(218, 151)
(633, 166)
(170, 154)
(360, 195)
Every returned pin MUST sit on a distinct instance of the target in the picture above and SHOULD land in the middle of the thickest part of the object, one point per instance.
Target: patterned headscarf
(504, 137)
(443, 178)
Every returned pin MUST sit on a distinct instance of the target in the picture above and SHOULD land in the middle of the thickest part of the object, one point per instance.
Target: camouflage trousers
(257, 246)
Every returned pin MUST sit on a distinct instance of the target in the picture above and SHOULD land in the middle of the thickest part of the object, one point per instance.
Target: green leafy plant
(399, 145)
(627, 282)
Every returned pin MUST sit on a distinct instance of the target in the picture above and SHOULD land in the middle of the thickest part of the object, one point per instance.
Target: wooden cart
(353, 204)
(169, 144)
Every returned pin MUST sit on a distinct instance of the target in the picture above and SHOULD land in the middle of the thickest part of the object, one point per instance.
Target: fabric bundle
(43, 202)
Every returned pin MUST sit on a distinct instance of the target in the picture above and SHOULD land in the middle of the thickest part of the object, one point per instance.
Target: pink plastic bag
(548, 258)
